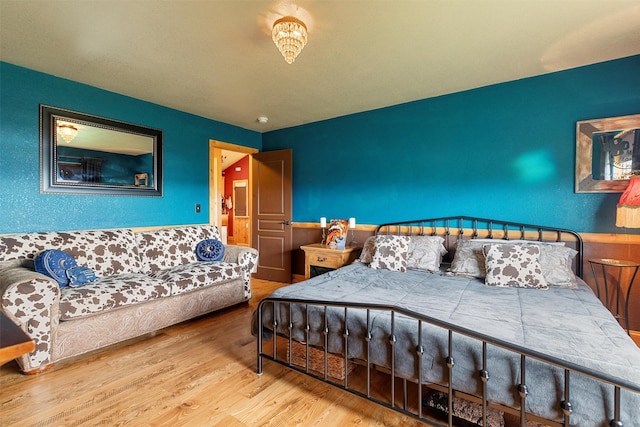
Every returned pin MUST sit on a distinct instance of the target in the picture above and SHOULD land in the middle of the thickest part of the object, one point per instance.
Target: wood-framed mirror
(85, 154)
(607, 154)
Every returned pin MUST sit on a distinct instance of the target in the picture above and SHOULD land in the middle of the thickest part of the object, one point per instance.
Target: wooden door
(271, 190)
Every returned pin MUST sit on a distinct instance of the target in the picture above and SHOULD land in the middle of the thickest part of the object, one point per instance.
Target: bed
(492, 312)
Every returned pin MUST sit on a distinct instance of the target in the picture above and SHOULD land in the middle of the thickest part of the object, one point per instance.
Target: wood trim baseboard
(635, 336)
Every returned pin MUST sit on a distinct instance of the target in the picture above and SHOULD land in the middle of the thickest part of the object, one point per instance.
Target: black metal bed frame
(451, 228)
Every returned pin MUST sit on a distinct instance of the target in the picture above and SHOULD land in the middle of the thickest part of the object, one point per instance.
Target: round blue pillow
(54, 263)
(210, 250)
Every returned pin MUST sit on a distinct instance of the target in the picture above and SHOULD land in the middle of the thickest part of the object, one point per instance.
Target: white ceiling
(216, 59)
(230, 157)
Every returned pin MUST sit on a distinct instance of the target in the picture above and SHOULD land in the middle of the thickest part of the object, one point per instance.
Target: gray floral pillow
(468, 260)
(556, 261)
(512, 265)
(390, 253)
(425, 253)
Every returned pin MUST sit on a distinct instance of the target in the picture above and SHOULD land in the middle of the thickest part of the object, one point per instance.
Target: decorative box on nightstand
(319, 258)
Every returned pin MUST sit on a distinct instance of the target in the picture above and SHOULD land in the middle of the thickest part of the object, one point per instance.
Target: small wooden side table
(320, 255)
(14, 342)
(605, 268)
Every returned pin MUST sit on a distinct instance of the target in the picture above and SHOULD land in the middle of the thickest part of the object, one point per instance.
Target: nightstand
(624, 273)
(325, 258)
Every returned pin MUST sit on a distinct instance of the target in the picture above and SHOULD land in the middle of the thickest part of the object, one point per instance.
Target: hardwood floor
(197, 373)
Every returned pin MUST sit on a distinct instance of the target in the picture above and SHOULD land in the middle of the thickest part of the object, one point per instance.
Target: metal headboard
(453, 228)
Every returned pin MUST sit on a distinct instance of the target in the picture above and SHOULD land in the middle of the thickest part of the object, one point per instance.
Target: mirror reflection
(86, 154)
(104, 156)
(607, 154)
(616, 154)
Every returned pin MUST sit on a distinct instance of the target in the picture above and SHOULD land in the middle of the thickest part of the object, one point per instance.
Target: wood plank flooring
(197, 373)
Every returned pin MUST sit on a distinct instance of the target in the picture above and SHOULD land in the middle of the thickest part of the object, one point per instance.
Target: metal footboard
(277, 347)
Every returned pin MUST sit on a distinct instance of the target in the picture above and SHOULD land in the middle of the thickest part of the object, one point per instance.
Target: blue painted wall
(504, 151)
(186, 165)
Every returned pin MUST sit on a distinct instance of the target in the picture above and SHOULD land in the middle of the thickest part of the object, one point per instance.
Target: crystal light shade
(290, 36)
(628, 209)
(68, 132)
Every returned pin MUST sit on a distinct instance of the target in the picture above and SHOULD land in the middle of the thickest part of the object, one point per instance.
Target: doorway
(268, 205)
(224, 161)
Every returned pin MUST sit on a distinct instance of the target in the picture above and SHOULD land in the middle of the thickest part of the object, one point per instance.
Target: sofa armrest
(31, 300)
(247, 258)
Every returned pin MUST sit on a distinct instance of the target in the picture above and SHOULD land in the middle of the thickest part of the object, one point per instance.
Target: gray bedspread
(569, 324)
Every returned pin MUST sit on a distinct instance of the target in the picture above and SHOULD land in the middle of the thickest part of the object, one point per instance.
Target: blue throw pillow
(54, 263)
(81, 275)
(210, 250)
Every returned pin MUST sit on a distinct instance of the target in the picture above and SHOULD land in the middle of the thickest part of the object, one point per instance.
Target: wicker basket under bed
(335, 364)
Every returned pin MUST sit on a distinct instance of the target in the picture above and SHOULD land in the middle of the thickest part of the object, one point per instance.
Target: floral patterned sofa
(147, 281)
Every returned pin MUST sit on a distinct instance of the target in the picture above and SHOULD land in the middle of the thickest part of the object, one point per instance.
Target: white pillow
(390, 253)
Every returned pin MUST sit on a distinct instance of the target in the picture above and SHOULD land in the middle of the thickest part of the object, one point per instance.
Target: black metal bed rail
(568, 368)
(509, 230)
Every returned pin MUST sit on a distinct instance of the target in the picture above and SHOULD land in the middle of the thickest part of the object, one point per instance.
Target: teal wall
(505, 151)
(186, 165)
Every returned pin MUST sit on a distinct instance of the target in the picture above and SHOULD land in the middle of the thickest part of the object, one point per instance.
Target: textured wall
(186, 165)
(503, 151)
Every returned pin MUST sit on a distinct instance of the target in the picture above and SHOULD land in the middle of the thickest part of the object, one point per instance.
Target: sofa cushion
(106, 252)
(110, 292)
(171, 247)
(185, 278)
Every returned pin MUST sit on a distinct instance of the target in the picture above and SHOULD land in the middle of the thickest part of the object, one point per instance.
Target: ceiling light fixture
(290, 36)
(68, 132)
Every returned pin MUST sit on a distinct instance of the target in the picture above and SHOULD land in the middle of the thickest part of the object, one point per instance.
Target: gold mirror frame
(585, 131)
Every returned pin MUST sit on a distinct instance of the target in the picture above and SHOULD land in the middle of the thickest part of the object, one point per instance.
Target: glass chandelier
(290, 36)
(68, 132)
